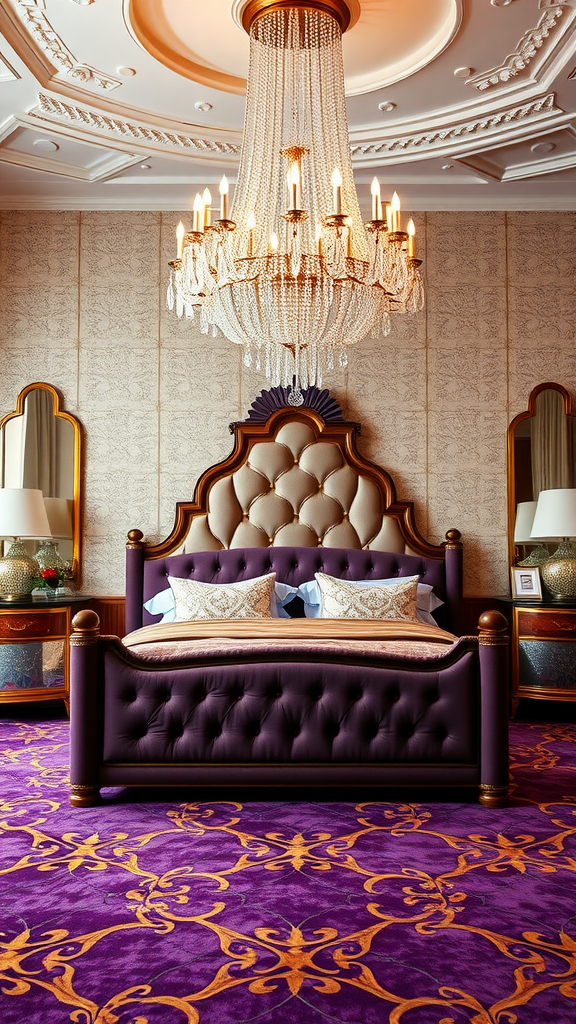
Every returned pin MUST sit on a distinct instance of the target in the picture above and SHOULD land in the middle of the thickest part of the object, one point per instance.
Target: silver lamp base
(536, 557)
(48, 556)
(17, 572)
(559, 572)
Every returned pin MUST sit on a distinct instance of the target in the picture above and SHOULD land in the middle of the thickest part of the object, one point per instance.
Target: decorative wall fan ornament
(268, 402)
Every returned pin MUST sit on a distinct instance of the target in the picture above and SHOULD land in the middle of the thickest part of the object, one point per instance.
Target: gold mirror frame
(530, 413)
(59, 414)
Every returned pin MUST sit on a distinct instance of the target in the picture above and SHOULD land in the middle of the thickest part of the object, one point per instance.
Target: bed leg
(494, 759)
(84, 796)
(84, 731)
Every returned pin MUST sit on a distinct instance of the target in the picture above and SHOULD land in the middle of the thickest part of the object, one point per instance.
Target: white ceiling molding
(150, 136)
(92, 162)
(518, 120)
(7, 73)
(525, 52)
(474, 133)
(59, 80)
(487, 164)
(33, 17)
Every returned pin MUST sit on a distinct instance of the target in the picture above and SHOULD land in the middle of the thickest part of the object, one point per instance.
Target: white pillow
(426, 600)
(163, 602)
(350, 599)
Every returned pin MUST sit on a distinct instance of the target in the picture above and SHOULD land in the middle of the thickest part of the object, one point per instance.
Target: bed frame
(294, 497)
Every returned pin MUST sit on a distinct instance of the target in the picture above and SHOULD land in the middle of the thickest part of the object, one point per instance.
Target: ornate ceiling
(135, 104)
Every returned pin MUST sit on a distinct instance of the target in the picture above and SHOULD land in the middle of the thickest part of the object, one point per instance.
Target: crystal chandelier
(292, 274)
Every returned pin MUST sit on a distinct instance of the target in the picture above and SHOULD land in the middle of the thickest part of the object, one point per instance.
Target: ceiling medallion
(290, 272)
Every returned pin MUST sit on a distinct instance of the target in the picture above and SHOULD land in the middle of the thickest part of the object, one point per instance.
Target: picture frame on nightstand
(526, 583)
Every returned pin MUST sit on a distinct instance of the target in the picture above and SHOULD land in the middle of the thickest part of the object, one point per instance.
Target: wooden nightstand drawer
(22, 625)
(547, 622)
(543, 652)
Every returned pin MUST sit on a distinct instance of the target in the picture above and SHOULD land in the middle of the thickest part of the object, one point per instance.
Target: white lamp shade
(59, 511)
(525, 511)
(555, 514)
(22, 513)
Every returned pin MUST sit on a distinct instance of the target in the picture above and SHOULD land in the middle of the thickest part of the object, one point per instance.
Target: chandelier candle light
(293, 275)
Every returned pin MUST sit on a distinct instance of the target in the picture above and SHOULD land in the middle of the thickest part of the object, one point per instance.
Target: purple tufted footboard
(323, 719)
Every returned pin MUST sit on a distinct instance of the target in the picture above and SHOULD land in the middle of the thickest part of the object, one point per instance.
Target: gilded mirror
(40, 447)
(541, 456)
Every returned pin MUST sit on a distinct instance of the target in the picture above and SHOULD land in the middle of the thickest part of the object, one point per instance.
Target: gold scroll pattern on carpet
(424, 897)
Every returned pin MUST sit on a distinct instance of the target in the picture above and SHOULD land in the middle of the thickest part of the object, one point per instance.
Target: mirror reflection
(542, 456)
(40, 449)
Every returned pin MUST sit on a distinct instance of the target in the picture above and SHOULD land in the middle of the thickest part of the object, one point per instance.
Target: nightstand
(543, 650)
(34, 647)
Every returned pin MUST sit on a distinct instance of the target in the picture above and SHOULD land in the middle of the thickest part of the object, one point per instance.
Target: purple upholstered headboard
(295, 566)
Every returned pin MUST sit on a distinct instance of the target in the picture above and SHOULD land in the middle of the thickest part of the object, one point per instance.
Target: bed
(294, 629)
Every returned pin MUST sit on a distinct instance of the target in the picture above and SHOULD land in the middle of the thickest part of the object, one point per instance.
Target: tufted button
(255, 731)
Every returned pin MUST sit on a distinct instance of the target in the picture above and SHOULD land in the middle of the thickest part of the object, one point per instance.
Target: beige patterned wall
(82, 306)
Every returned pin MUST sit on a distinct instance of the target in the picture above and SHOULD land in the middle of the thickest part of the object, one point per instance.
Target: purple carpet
(155, 908)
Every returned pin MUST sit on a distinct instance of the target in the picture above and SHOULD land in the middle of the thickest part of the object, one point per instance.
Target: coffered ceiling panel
(132, 104)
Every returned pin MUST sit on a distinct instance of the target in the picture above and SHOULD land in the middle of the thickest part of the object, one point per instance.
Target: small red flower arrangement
(49, 579)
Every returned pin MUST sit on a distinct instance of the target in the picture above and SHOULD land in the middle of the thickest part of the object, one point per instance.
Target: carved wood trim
(247, 434)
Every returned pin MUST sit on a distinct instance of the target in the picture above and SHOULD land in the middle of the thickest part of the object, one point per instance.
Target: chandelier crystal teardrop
(292, 274)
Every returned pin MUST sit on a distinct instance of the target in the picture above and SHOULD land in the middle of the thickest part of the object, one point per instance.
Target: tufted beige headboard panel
(296, 489)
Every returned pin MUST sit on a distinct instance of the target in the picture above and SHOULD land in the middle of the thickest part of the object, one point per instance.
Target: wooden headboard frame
(193, 515)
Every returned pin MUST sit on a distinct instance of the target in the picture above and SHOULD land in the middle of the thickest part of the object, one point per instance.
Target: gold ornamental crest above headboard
(295, 480)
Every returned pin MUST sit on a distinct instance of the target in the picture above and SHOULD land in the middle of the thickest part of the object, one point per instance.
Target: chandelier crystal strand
(294, 276)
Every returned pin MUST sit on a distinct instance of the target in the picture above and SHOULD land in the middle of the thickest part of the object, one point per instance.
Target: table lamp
(525, 511)
(59, 512)
(22, 517)
(556, 517)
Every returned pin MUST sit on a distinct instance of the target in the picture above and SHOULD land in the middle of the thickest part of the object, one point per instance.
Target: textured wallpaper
(82, 306)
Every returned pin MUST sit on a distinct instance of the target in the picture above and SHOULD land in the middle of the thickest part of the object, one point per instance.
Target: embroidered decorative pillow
(426, 600)
(163, 602)
(346, 599)
(247, 599)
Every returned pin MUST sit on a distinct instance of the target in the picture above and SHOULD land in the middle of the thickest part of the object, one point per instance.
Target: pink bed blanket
(229, 638)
